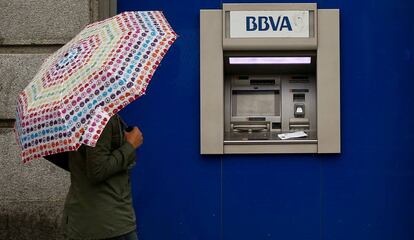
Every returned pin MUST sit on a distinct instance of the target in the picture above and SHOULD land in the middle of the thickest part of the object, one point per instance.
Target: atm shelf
(265, 138)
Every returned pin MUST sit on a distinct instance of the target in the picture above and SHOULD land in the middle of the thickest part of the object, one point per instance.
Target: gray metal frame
(211, 83)
(212, 108)
(328, 82)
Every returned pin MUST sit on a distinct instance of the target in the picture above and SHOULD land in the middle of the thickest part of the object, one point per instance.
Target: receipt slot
(269, 79)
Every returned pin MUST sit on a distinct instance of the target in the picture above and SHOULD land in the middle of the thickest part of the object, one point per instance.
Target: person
(99, 202)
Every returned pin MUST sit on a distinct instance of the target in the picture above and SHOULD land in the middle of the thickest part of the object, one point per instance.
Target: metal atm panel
(263, 99)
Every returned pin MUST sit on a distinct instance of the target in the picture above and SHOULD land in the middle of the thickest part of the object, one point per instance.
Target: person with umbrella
(69, 112)
(99, 203)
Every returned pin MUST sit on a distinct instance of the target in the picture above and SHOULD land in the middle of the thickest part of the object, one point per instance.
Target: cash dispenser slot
(297, 124)
(250, 126)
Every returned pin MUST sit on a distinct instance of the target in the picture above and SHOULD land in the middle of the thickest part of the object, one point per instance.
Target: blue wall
(367, 192)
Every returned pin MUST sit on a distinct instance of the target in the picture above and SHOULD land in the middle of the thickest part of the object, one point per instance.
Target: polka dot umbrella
(78, 88)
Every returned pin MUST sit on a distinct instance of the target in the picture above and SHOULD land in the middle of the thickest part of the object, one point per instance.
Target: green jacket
(99, 203)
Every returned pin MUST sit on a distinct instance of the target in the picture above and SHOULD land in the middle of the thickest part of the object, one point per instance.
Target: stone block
(16, 71)
(31, 220)
(42, 22)
(38, 180)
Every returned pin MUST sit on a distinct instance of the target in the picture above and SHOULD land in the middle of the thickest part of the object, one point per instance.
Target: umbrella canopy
(78, 88)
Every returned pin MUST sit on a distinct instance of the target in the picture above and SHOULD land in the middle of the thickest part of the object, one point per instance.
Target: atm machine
(269, 79)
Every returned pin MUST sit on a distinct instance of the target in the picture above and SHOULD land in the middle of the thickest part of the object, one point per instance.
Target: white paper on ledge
(297, 134)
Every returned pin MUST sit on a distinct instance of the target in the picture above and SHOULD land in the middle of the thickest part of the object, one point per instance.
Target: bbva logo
(264, 23)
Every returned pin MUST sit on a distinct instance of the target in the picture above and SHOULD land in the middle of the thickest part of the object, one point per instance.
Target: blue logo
(264, 23)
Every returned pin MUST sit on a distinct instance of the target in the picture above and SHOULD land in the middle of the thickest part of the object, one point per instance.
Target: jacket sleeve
(101, 162)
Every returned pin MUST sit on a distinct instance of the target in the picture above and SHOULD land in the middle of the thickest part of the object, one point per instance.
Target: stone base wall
(32, 195)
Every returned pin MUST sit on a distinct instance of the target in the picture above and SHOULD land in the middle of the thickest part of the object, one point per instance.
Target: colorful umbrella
(78, 88)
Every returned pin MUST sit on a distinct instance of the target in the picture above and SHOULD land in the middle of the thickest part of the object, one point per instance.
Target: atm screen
(255, 103)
